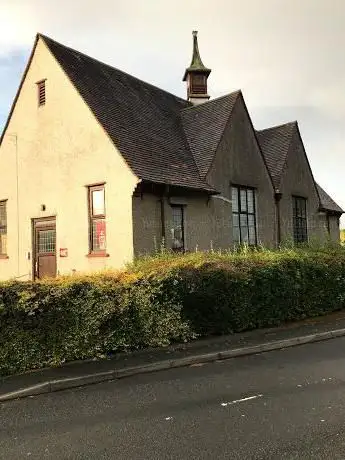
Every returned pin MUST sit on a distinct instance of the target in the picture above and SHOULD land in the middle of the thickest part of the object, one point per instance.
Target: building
(99, 167)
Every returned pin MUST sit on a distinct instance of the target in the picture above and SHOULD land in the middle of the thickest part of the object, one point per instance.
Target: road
(287, 404)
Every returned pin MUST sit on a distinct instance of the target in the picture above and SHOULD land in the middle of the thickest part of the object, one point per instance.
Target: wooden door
(44, 248)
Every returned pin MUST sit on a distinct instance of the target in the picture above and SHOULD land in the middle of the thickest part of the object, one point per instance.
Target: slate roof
(143, 121)
(163, 138)
(274, 143)
(204, 125)
(327, 202)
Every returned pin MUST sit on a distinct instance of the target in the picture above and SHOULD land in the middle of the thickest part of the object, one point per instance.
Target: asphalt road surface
(287, 404)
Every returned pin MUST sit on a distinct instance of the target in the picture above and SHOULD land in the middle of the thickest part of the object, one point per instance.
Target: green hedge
(162, 300)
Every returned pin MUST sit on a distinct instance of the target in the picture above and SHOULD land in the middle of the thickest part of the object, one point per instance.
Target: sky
(287, 56)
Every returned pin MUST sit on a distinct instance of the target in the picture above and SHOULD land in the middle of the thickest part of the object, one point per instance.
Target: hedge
(161, 300)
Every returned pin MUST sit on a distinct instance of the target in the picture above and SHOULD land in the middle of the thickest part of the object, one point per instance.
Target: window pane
(252, 239)
(177, 227)
(97, 197)
(243, 220)
(235, 220)
(98, 235)
(236, 234)
(234, 192)
(244, 234)
(304, 208)
(298, 208)
(3, 216)
(244, 223)
(3, 242)
(243, 199)
(300, 220)
(250, 198)
(46, 241)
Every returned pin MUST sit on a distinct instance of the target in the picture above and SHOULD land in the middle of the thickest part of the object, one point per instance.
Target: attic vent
(41, 92)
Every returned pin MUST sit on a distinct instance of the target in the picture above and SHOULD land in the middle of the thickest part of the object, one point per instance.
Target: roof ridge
(45, 37)
(282, 125)
(211, 101)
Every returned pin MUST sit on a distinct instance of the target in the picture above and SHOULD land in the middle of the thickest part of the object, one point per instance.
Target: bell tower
(196, 76)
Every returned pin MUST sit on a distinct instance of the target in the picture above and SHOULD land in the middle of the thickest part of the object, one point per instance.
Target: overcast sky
(287, 56)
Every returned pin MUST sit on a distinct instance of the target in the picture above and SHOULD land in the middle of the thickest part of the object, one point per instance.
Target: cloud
(286, 55)
(11, 69)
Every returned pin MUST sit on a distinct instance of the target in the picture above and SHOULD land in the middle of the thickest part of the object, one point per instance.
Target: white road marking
(241, 400)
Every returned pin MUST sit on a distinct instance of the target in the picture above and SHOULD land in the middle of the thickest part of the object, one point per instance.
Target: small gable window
(300, 232)
(243, 215)
(41, 92)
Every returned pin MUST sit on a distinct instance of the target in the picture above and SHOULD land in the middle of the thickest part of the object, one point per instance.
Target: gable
(297, 175)
(141, 120)
(238, 156)
(53, 137)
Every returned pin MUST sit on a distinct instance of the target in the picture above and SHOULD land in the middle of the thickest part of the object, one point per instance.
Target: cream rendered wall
(60, 149)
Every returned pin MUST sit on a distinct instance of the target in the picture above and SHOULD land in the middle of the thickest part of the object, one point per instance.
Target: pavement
(124, 365)
(286, 404)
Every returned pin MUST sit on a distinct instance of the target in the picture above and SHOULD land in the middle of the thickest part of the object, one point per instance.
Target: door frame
(46, 223)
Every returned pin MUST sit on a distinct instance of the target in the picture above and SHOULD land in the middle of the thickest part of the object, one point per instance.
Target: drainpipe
(328, 224)
(278, 197)
(15, 136)
(162, 201)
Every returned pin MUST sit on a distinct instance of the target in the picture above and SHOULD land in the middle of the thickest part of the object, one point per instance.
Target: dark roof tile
(274, 143)
(327, 202)
(204, 125)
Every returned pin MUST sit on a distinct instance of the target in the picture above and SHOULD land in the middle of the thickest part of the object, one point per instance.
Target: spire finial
(196, 75)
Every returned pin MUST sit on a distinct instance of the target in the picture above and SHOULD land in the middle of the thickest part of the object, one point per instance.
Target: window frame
(246, 213)
(41, 92)
(96, 217)
(4, 227)
(183, 226)
(296, 218)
